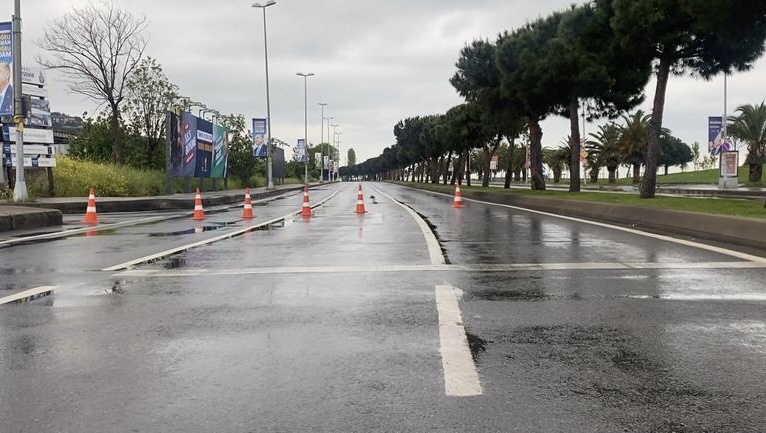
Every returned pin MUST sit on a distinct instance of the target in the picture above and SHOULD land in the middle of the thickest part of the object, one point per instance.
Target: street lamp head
(301, 74)
(268, 3)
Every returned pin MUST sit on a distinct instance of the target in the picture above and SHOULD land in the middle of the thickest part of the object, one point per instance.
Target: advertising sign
(204, 157)
(189, 134)
(33, 75)
(30, 90)
(175, 137)
(326, 162)
(34, 162)
(301, 150)
(39, 113)
(260, 127)
(220, 151)
(30, 149)
(729, 164)
(717, 143)
(6, 68)
(493, 162)
(318, 160)
(278, 165)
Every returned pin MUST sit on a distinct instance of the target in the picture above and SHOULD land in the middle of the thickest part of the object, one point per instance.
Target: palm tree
(634, 140)
(750, 127)
(557, 159)
(604, 149)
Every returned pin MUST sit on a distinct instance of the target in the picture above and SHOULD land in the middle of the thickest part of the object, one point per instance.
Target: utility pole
(20, 189)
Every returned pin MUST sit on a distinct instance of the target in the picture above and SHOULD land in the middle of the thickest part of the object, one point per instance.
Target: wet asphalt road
(332, 325)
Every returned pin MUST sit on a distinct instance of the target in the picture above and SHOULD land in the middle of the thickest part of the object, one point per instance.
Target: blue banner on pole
(717, 142)
(301, 150)
(260, 128)
(6, 69)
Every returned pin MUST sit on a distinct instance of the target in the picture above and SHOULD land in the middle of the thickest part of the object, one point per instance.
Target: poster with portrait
(6, 68)
(260, 129)
(175, 137)
(189, 134)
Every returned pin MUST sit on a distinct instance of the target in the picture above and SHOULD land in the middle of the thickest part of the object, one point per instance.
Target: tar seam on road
(711, 248)
(434, 249)
(221, 237)
(460, 376)
(509, 267)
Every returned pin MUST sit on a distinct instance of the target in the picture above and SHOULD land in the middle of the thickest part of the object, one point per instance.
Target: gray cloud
(375, 62)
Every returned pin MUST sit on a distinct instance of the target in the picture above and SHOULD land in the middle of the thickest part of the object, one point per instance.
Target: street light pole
(269, 156)
(20, 189)
(321, 138)
(334, 136)
(305, 124)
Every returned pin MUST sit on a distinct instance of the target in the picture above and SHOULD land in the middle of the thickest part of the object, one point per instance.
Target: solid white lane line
(705, 297)
(203, 242)
(460, 376)
(437, 268)
(434, 250)
(711, 248)
(26, 295)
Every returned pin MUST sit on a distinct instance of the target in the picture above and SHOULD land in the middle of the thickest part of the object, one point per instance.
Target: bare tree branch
(96, 48)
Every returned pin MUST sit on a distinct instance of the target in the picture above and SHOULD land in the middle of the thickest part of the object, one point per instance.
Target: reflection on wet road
(345, 322)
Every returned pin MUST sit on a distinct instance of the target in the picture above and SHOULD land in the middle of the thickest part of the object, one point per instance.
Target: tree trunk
(119, 157)
(446, 167)
(655, 125)
(536, 155)
(457, 175)
(612, 174)
(756, 172)
(636, 173)
(556, 174)
(574, 163)
(594, 175)
(468, 168)
(509, 166)
(666, 170)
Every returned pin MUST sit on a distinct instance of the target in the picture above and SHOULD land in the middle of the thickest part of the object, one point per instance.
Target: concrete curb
(747, 232)
(25, 218)
(77, 206)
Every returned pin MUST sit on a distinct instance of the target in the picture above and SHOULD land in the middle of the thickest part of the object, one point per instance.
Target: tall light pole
(305, 124)
(270, 183)
(321, 138)
(334, 136)
(20, 189)
(328, 142)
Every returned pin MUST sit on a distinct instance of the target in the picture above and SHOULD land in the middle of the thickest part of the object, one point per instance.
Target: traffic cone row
(199, 213)
(360, 201)
(306, 209)
(458, 202)
(247, 211)
(90, 213)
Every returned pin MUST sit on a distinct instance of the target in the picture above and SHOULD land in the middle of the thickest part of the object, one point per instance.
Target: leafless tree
(97, 47)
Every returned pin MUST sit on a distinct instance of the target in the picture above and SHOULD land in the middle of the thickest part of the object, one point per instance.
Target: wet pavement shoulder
(739, 231)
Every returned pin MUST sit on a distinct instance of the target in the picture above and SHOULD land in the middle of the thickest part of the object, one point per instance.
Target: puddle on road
(507, 295)
(174, 263)
(193, 230)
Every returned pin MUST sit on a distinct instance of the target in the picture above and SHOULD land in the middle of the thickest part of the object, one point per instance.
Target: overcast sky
(376, 62)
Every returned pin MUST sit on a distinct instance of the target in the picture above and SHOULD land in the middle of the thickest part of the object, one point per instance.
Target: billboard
(203, 161)
(260, 128)
(278, 167)
(39, 113)
(220, 151)
(197, 147)
(6, 68)
(716, 142)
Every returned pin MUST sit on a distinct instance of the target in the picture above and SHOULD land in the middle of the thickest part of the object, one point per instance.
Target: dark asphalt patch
(477, 345)
(506, 295)
(610, 366)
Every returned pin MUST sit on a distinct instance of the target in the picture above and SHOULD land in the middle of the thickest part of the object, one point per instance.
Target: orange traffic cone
(90, 213)
(199, 213)
(458, 203)
(247, 212)
(306, 209)
(360, 201)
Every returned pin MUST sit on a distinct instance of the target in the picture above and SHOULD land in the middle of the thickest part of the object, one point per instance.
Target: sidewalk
(694, 190)
(47, 212)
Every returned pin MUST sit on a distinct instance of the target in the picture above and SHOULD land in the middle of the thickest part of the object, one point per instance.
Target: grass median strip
(718, 206)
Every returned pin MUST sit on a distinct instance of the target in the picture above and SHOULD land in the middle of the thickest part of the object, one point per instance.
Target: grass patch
(73, 178)
(690, 177)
